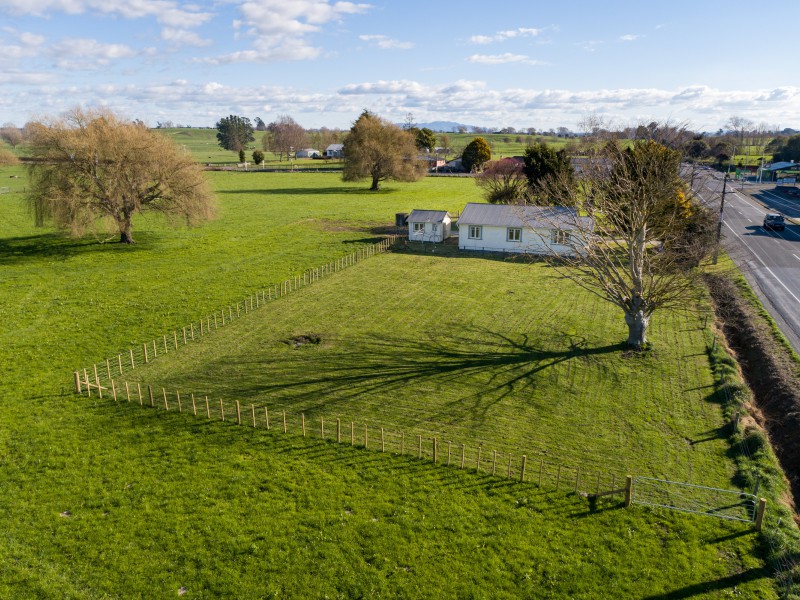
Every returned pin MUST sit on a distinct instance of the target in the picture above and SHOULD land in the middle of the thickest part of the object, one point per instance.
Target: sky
(520, 63)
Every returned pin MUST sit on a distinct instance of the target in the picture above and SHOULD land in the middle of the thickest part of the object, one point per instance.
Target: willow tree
(378, 150)
(92, 165)
(637, 249)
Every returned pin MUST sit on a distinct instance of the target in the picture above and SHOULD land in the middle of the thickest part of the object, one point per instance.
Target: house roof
(780, 166)
(512, 215)
(335, 147)
(427, 216)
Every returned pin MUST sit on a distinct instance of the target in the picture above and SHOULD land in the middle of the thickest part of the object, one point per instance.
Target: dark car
(774, 221)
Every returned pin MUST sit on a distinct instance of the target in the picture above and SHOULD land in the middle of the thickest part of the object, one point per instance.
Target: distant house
(522, 229)
(428, 225)
(308, 153)
(334, 151)
(432, 162)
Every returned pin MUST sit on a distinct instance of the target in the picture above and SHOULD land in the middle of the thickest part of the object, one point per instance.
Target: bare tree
(11, 134)
(633, 251)
(286, 136)
(92, 165)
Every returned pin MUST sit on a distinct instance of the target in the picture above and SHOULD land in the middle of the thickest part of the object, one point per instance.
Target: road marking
(763, 263)
(797, 257)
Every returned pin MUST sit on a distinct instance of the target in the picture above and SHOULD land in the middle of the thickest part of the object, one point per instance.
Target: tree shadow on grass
(59, 246)
(498, 366)
(706, 587)
(312, 191)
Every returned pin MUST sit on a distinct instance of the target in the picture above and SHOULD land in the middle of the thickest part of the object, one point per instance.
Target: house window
(419, 227)
(514, 234)
(560, 237)
(434, 227)
(475, 232)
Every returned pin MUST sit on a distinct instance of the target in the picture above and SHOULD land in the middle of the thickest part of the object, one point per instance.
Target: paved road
(770, 260)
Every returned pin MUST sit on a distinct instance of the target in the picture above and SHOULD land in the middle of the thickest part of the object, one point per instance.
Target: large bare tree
(93, 164)
(285, 136)
(644, 235)
(379, 150)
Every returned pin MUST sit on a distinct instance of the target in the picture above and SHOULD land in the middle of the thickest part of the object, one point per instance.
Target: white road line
(763, 263)
(795, 255)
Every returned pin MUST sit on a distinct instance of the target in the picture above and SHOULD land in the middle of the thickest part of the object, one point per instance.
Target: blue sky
(516, 63)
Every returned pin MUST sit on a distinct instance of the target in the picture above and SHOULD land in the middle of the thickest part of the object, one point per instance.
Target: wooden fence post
(165, 344)
(628, 490)
(194, 406)
(522, 468)
(208, 409)
(221, 410)
(175, 338)
(449, 444)
(139, 390)
(113, 390)
(352, 433)
(322, 427)
(266, 417)
(127, 392)
(191, 329)
(184, 336)
(366, 437)
(419, 453)
(97, 381)
(150, 394)
(284, 421)
(166, 405)
(383, 446)
(238, 414)
(338, 430)
(86, 382)
(202, 333)
(108, 369)
(133, 366)
(144, 347)
(119, 363)
(435, 451)
(77, 383)
(760, 510)
(178, 397)
(303, 423)
(253, 408)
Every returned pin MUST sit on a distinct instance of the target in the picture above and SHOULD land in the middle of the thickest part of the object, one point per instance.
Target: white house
(428, 225)
(334, 151)
(523, 229)
(308, 153)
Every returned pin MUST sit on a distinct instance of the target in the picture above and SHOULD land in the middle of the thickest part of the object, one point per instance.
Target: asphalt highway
(770, 260)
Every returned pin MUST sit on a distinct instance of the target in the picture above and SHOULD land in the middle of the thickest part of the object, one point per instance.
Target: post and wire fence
(128, 360)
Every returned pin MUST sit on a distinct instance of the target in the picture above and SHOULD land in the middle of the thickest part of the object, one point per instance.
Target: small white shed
(428, 225)
(307, 153)
(520, 229)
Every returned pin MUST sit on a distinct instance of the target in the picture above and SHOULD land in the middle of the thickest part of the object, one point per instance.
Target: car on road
(774, 221)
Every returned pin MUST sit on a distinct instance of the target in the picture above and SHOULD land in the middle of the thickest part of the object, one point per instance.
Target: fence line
(117, 366)
(474, 458)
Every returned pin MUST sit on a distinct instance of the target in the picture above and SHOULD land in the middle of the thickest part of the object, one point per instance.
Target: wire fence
(474, 457)
(141, 354)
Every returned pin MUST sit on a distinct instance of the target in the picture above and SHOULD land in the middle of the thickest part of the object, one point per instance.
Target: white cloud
(382, 87)
(502, 36)
(279, 28)
(77, 53)
(630, 37)
(591, 45)
(502, 59)
(385, 43)
(183, 37)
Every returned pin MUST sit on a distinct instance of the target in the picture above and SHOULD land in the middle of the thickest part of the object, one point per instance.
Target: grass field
(104, 500)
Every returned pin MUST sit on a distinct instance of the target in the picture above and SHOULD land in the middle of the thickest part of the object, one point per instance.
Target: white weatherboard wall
(428, 234)
(495, 239)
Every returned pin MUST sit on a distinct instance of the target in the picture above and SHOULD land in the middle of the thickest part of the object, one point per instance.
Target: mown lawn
(111, 500)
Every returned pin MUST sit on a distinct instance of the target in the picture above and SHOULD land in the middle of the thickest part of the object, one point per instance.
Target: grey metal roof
(427, 216)
(780, 166)
(511, 215)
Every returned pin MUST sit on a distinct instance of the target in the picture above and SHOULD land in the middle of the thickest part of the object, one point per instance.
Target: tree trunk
(125, 236)
(637, 328)
(375, 183)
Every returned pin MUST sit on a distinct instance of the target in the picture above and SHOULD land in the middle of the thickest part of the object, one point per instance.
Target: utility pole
(719, 223)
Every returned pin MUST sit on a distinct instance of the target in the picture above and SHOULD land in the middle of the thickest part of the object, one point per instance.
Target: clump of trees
(544, 164)
(378, 150)
(787, 149)
(284, 136)
(11, 134)
(92, 165)
(234, 133)
(476, 154)
(643, 235)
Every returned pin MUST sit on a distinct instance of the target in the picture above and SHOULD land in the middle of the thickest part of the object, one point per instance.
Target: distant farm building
(428, 225)
(334, 151)
(519, 229)
(308, 153)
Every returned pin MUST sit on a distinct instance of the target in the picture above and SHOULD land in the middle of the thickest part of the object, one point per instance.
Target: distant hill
(446, 126)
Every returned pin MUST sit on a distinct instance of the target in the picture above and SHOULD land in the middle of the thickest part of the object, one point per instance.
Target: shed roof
(427, 216)
(780, 166)
(335, 147)
(511, 215)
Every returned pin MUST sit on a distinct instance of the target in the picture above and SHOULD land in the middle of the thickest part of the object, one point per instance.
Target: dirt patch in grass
(768, 370)
(306, 339)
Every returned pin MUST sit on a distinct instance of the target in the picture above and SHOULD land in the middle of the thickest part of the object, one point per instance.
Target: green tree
(258, 157)
(234, 133)
(476, 154)
(424, 138)
(378, 150)
(789, 150)
(241, 156)
(93, 165)
(543, 163)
